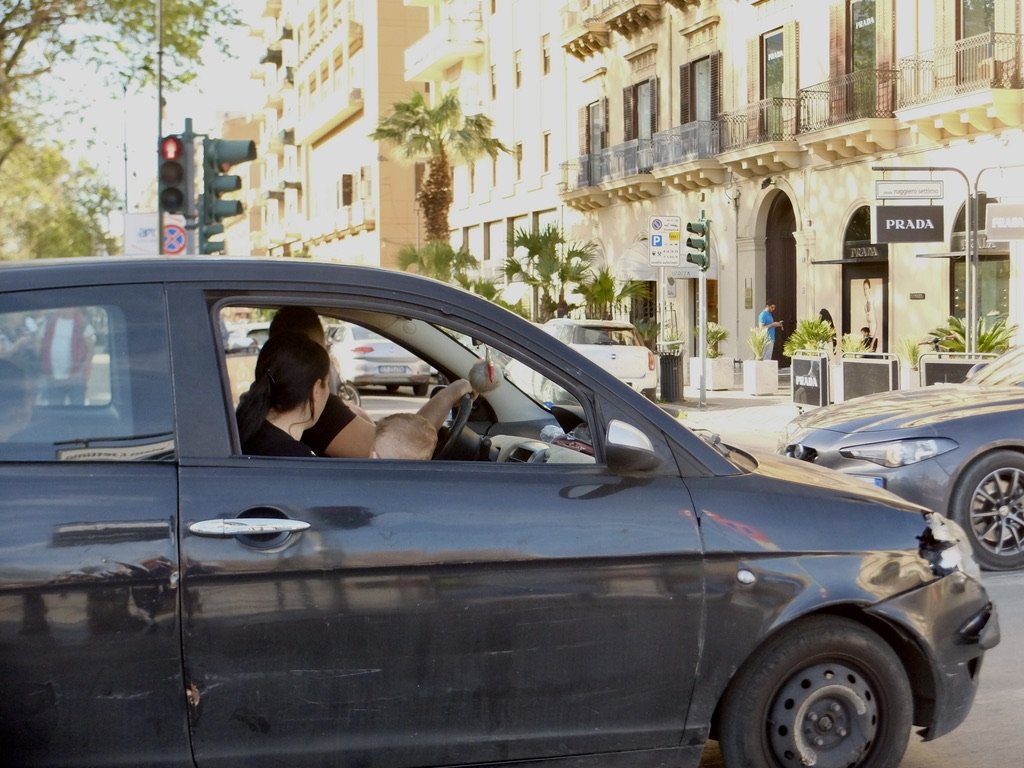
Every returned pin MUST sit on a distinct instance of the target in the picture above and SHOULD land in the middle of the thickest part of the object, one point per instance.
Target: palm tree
(439, 260)
(603, 294)
(437, 134)
(549, 264)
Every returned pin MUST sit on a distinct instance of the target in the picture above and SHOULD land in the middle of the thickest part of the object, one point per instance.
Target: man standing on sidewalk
(767, 321)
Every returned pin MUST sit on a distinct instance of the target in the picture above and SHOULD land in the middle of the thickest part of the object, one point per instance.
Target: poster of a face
(867, 305)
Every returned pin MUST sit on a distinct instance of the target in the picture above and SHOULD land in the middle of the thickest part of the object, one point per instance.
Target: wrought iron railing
(854, 96)
(586, 171)
(698, 140)
(628, 159)
(989, 60)
(772, 119)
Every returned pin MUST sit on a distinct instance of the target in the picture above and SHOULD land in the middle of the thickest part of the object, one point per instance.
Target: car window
(86, 380)
(358, 364)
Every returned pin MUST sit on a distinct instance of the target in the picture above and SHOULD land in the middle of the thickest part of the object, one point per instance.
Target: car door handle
(246, 526)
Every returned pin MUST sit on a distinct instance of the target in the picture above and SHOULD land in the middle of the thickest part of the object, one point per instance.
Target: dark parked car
(621, 592)
(954, 448)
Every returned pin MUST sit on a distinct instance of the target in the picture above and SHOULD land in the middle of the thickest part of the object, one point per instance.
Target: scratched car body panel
(167, 601)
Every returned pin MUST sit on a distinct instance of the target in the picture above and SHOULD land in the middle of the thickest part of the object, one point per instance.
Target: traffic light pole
(702, 301)
(191, 214)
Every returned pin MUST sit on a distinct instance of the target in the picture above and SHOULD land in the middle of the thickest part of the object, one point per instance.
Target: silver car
(366, 358)
(955, 448)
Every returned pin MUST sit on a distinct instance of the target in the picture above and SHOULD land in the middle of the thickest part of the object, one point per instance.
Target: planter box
(760, 377)
(718, 373)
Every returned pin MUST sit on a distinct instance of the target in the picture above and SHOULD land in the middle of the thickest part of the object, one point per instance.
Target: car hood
(922, 408)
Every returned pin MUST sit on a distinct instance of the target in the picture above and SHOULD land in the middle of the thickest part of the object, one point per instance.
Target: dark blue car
(589, 582)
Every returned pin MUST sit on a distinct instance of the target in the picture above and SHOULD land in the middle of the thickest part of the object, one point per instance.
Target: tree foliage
(438, 135)
(990, 335)
(117, 37)
(603, 294)
(550, 265)
(439, 260)
(49, 208)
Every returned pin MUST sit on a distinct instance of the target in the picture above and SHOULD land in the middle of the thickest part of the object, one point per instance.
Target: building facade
(770, 118)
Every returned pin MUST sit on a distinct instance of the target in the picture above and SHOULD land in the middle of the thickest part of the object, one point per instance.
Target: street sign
(664, 241)
(174, 239)
(908, 190)
(1004, 221)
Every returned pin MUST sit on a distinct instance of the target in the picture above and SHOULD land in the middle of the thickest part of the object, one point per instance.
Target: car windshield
(1005, 371)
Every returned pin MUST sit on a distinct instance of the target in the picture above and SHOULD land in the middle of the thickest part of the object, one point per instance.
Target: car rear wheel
(419, 390)
(989, 505)
(826, 692)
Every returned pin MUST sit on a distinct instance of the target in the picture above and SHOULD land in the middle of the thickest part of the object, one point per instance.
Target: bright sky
(113, 121)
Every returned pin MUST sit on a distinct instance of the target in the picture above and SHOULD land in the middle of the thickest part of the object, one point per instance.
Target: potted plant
(810, 347)
(760, 377)
(718, 370)
(908, 349)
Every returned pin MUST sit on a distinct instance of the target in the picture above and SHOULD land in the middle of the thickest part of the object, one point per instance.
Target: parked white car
(616, 346)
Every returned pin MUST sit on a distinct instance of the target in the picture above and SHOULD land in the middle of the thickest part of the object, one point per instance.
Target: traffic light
(219, 156)
(174, 175)
(701, 255)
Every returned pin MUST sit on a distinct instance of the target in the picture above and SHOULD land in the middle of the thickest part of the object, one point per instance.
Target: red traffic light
(171, 148)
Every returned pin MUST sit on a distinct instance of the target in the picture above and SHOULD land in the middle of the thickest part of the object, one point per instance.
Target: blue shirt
(766, 319)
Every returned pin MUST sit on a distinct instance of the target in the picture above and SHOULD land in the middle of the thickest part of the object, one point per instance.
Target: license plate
(392, 369)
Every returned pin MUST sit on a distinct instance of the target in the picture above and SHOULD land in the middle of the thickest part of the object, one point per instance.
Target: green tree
(49, 208)
(550, 266)
(437, 134)
(115, 36)
(603, 294)
(439, 260)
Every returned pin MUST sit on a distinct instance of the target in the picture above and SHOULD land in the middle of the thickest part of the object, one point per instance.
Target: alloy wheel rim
(997, 512)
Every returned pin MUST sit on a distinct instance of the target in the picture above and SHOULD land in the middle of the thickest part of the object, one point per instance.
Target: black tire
(419, 390)
(391, 388)
(826, 692)
(989, 504)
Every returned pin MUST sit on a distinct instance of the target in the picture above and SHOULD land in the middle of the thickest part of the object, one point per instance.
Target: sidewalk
(744, 420)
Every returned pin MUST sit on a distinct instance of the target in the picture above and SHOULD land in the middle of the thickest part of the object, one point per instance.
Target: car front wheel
(989, 504)
(826, 692)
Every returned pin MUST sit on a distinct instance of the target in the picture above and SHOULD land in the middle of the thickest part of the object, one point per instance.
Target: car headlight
(900, 453)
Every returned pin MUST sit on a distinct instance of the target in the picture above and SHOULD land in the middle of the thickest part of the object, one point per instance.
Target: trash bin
(671, 378)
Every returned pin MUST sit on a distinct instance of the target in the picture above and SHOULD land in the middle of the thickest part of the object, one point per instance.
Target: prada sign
(1004, 221)
(908, 224)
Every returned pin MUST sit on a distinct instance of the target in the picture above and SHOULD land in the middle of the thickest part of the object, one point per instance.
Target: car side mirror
(628, 449)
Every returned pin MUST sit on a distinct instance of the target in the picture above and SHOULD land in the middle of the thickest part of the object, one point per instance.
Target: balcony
(581, 179)
(627, 170)
(328, 111)
(760, 139)
(447, 44)
(582, 34)
(973, 86)
(273, 56)
(684, 5)
(684, 156)
(850, 116)
(627, 16)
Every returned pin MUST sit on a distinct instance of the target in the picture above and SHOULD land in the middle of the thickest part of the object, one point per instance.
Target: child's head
(404, 436)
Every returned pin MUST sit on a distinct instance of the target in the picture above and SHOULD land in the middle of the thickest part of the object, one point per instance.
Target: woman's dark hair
(287, 368)
(292, 319)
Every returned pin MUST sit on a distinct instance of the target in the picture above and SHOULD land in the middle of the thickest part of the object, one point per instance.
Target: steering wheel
(447, 442)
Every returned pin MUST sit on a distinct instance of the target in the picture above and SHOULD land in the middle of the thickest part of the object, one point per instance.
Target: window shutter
(791, 50)
(628, 126)
(1006, 16)
(885, 25)
(753, 70)
(837, 40)
(584, 131)
(346, 189)
(716, 84)
(945, 22)
(604, 123)
(684, 94)
(654, 105)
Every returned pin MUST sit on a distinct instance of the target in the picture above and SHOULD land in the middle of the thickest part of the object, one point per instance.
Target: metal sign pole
(703, 301)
